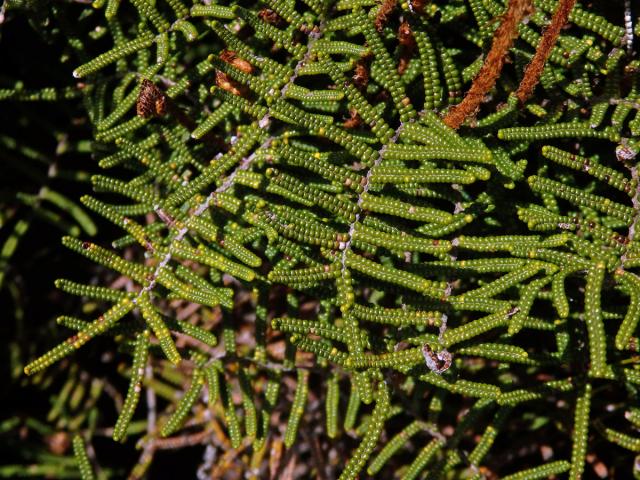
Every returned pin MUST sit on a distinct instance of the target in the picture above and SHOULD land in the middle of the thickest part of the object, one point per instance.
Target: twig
(316, 454)
(182, 441)
(486, 78)
(549, 37)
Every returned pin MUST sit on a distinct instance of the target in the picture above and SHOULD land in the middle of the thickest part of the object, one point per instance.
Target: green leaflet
(332, 403)
(362, 453)
(159, 328)
(80, 452)
(593, 319)
(581, 432)
(394, 445)
(631, 283)
(298, 407)
(422, 459)
(135, 386)
(543, 471)
(98, 326)
(113, 55)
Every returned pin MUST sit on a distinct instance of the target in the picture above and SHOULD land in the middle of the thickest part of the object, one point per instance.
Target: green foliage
(135, 386)
(79, 449)
(449, 274)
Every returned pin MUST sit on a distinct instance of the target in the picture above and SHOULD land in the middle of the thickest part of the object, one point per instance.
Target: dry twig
(486, 78)
(534, 69)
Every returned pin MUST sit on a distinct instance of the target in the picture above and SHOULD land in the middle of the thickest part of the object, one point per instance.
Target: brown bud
(151, 102)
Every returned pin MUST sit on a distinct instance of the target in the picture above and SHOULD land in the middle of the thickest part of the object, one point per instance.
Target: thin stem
(486, 78)
(549, 37)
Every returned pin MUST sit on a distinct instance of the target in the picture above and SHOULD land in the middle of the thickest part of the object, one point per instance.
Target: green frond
(297, 408)
(121, 51)
(543, 471)
(102, 324)
(368, 444)
(140, 356)
(185, 405)
(293, 217)
(82, 459)
(580, 432)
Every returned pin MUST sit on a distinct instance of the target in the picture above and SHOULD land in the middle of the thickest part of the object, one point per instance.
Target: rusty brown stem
(503, 39)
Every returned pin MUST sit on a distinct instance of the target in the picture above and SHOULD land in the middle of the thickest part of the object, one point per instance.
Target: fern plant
(426, 211)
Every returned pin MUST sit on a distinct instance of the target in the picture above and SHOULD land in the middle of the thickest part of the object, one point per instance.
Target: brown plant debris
(385, 10)
(549, 37)
(407, 46)
(354, 120)
(418, 6)
(271, 17)
(230, 57)
(224, 82)
(361, 74)
(151, 102)
(503, 39)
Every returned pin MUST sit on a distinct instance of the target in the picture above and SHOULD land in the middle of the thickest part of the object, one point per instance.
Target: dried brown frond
(407, 46)
(230, 57)
(354, 120)
(385, 10)
(361, 73)
(418, 6)
(151, 102)
(503, 39)
(224, 82)
(405, 35)
(271, 17)
(549, 37)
